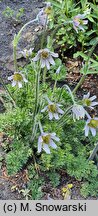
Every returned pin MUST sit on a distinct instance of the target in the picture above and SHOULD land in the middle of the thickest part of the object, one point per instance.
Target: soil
(8, 28)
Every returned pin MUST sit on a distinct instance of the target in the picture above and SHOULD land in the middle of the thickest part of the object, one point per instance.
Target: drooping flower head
(46, 140)
(53, 110)
(17, 79)
(42, 18)
(44, 14)
(88, 101)
(26, 53)
(78, 112)
(46, 57)
(79, 21)
(91, 125)
(48, 8)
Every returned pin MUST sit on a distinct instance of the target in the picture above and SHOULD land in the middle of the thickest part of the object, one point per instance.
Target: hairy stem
(15, 58)
(16, 40)
(70, 92)
(79, 83)
(44, 75)
(40, 127)
(43, 35)
(21, 30)
(37, 91)
(35, 124)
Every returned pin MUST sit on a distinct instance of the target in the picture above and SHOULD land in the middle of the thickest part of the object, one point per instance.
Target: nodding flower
(53, 109)
(91, 125)
(88, 101)
(79, 22)
(46, 140)
(78, 112)
(17, 79)
(46, 58)
(27, 53)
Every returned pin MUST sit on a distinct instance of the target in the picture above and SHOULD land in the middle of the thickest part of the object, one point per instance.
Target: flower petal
(93, 98)
(53, 134)
(86, 96)
(39, 145)
(36, 58)
(19, 84)
(50, 116)
(46, 148)
(55, 137)
(60, 111)
(81, 27)
(54, 54)
(42, 63)
(58, 70)
(93, 131)
(56, 116)
(51, 60)
(94, 103)
(96, 118)
(85, 22)
(75, 28)
(24, 79)
(45, 108)
(10, 77)
(59, 105)
(52, 144)
(14, 83)
(80, 16)
(86, 130)
(47, 64)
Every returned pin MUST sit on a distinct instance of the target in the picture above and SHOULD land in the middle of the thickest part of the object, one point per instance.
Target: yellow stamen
(46, 139)
(17, 77)
(52, 108)
(44, 54)
(93, 123)
(87, 102)
(48, 10)
(77, 20)
(80, 21)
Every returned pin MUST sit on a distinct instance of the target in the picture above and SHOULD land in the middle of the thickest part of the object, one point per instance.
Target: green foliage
(10, 13)
(17, 157)
(35, 184)
(90, 185)
(25, 122)
(54, 178)
(16, 121)
(72, 156)
(64, 11)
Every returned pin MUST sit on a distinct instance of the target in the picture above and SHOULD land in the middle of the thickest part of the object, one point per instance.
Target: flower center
(77, 21)
(52, 108)
(48, 10)
(44, 54)
(17, 77)
(93, 123)
(87, 102)
(81, 22)
(46, 139)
